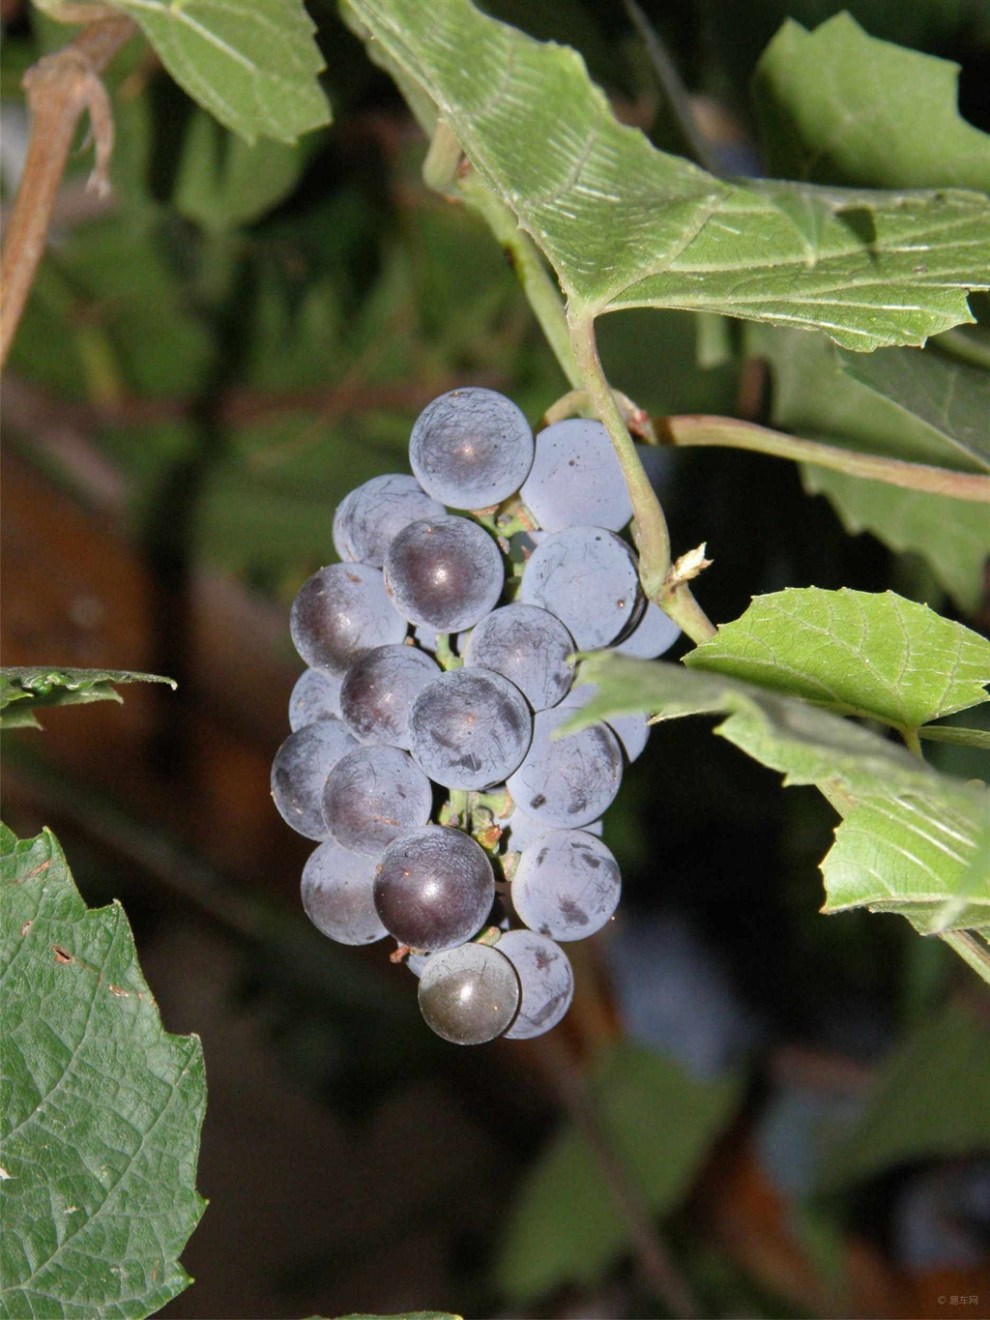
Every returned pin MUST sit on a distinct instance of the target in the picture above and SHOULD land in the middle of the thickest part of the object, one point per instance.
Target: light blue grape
(632, 730)
(372, 795)
(315, 696)
(338, 894)
(527, 645)
(469, 728)
(567, 782)
(588, 578)
(546, 982)
(471, 448)
(655, 633)
(300, 770)
(370, 516)
(567, 885)
(576, 479)
(378, 691)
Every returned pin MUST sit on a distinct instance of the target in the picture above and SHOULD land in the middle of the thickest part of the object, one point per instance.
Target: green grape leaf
(625, 225)
(563, 1206)
(952, 536)
(950, 397)
(101, 1110)
(839, 106)
(223, 181)
(918, 854)
(25, 690)
(816, 394)
(909, 834)
(931, 1100)
(958, 734)
(875, 655)
(252, 63)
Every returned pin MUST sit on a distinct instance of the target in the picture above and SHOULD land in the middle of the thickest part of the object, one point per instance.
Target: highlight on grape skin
(424, 758)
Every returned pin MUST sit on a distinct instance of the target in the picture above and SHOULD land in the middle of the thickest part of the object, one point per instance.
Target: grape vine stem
(731, 433)
(661, 580)
(60, 88)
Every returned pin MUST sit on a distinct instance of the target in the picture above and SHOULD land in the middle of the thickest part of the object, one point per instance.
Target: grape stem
(664, 583)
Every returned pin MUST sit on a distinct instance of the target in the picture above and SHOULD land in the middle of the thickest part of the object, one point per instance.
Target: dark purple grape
(340, 612)
(655, 633)
(567, 885)
(368, 519)
(527, 645)
(434, 888)
(469, 728)
(546, 982)
(468, 995)
(444, 572)
(338, 894)
(316, 696)
(300, 770)
(576, 479)
(373, 795)
(567, 782)
(378, 691)
(471, 448)
(587, 577)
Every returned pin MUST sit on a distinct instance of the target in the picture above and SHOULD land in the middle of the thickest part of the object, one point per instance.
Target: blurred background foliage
(210, 359)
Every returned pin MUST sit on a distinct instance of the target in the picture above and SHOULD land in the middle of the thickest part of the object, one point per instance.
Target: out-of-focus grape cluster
(423, 758)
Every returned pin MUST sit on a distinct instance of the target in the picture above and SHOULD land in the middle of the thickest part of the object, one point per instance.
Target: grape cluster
(424, 758)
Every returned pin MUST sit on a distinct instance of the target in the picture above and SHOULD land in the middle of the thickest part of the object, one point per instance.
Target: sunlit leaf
(625, 225)
(871, 654)
(252, 63)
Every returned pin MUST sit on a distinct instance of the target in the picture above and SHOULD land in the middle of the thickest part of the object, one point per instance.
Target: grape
(576, 479)
(567, 886)
(632, 730)
(372, 515)
(445, 572)
(471, 448)
(373, 795)
(338, 895)
(528, 645)
(434, 888)
(378, 691)
(521, 831)
(316, 696)
(545, 980)
(469, 728)
(567, 782)
(341, 611)
(469, 995)
(655, 633)
(300, 770)
(587, 577)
